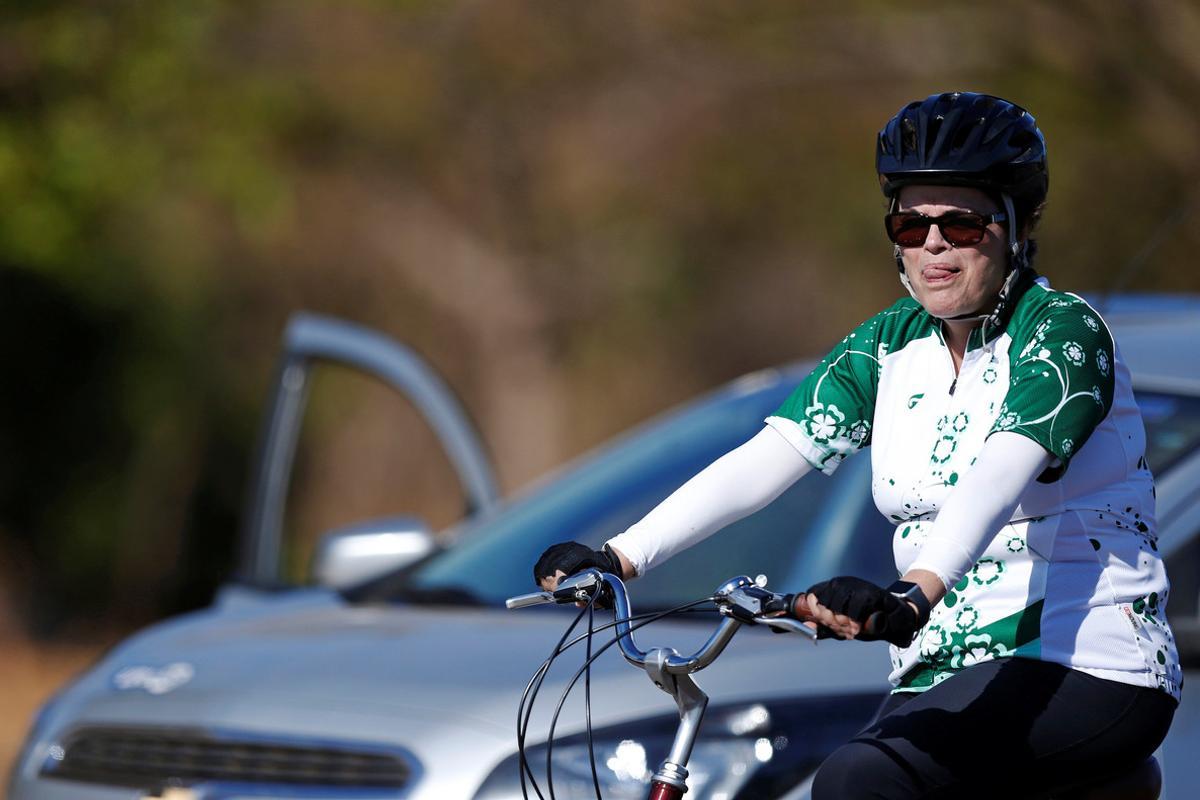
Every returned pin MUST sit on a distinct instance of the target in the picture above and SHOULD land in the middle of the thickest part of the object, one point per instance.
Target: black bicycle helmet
(965, 139)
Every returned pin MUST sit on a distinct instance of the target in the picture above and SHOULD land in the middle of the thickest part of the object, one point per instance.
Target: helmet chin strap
(1018, 266)
(899, 256)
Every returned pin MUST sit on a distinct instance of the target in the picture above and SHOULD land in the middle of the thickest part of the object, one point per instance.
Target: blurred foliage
(582, 212)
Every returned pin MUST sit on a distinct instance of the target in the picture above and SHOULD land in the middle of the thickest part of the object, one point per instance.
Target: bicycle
(740, 601)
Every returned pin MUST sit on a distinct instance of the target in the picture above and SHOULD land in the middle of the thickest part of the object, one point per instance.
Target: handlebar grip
(523, 600)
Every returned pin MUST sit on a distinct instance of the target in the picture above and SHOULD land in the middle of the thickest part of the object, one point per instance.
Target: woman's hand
(827, 623)
(566, 558)
(852, 608)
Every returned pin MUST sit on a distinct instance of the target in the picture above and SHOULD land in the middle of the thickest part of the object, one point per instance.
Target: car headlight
(35, 736)
(748, 750)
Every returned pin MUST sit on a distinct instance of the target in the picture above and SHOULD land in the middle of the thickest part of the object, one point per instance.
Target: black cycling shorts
(1013, 727)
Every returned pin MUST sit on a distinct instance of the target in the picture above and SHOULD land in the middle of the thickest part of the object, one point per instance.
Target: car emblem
(155, 680)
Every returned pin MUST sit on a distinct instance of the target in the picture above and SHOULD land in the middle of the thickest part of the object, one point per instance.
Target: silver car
(397, 673)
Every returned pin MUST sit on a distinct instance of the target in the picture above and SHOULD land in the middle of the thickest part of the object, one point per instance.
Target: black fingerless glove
(881, 612)
(572, 557)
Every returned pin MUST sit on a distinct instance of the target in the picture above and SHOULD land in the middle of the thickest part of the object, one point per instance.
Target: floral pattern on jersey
(987, 571)
(966, 618)
(1035, 341)
(823, 423)
(943, 448)
(1061, 381)
(859, 432)
(935, 641)
(951, 428)
(1007, 420)
(977, 648)
(1014, 543)
(955, 640)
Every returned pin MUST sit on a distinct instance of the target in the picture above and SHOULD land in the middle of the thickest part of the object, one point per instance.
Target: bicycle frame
(739, 604)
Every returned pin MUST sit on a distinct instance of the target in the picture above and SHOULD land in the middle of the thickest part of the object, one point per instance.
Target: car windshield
(821, 526)
(1172, 428)
(610, 491)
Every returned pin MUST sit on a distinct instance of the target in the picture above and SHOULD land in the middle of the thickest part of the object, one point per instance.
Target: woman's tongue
(935, 273)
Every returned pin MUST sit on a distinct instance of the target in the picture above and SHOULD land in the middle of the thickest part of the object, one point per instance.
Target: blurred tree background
(581, 212)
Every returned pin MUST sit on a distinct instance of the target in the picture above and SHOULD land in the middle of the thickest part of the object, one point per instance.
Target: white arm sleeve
(981, 503)
(734, 486)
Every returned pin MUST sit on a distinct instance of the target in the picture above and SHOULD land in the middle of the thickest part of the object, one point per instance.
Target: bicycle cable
(524, 712)
(645, 619)
(589, 609)
(535, 683)
(587, 699)
(650, 616)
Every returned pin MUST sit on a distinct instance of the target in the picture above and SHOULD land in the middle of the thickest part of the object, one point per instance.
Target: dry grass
(30, 672)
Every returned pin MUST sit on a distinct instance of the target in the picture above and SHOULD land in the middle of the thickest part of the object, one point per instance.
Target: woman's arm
(978, 507)
(734, 486)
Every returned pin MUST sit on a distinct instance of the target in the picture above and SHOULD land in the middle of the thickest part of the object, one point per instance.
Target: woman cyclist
(1030, 646)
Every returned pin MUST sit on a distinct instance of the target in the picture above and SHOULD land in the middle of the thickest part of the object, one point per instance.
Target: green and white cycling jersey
(1075, 576)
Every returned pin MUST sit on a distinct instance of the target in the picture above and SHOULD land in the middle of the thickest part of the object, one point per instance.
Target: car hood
(422, 661)
(414, 677)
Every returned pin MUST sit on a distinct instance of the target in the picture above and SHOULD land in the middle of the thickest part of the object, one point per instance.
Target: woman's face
(950, 281)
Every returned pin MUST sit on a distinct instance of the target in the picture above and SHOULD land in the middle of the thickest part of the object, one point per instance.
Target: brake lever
(789, 625)
(750, 602)
(526, 600)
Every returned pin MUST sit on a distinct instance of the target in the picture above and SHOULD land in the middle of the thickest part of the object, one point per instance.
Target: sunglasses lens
(963, 230)
(913, 235)
(907, 230)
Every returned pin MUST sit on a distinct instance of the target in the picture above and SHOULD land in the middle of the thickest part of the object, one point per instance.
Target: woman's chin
(953, 312)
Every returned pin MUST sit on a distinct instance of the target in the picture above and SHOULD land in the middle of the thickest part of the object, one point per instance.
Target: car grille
(152, 758)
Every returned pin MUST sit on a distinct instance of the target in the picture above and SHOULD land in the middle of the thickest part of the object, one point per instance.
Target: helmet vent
(1023, 140)
(908, 142)
(963, 132)
(932, 140)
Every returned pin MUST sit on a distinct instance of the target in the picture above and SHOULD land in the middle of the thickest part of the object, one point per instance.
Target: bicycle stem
(692, 702)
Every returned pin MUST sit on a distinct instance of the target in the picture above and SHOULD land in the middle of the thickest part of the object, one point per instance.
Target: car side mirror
(349, 556)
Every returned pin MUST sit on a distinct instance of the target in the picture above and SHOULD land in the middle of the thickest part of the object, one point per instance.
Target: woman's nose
(934, 242)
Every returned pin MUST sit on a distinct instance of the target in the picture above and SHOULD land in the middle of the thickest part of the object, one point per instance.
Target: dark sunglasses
(959, 228)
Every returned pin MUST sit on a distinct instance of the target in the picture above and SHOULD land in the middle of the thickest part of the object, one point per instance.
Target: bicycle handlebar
(739, 600)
